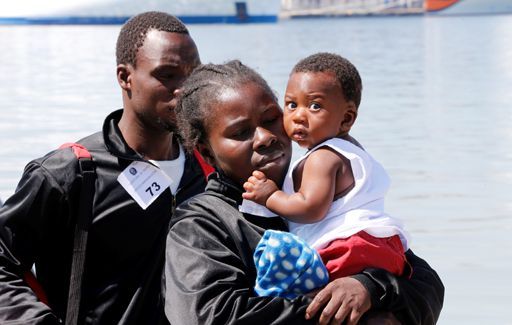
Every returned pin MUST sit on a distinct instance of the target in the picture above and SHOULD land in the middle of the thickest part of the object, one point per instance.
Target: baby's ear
(350, 117)
(206, 152)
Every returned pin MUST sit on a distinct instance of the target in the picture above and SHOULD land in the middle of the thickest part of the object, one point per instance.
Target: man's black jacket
(122, 279)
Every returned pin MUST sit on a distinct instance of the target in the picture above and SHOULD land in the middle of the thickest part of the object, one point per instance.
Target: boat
(322, 8)
(71, 12)
(468, 7)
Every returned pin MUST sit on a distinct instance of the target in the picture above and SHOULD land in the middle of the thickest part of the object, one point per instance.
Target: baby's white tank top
(360, 209)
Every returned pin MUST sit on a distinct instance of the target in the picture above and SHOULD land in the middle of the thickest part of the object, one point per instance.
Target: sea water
(436, 112)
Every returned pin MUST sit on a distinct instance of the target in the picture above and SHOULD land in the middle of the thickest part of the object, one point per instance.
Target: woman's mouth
(267, 160)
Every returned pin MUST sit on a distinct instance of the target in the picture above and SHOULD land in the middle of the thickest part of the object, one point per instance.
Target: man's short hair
(134, 31)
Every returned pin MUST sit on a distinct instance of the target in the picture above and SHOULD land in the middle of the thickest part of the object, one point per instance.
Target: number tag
(144, 182)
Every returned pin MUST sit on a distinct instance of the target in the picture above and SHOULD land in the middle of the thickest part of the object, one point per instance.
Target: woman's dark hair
(201, 91)
(346, 73)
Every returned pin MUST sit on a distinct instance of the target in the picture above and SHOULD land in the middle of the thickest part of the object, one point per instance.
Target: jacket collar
(114, 139)
(221, 184)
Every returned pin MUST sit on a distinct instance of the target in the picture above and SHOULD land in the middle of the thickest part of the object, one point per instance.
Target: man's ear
(349, 118)
(205, 151)
(124, 76)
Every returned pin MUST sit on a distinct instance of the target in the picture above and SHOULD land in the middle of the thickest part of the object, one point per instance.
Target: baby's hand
(259, 188)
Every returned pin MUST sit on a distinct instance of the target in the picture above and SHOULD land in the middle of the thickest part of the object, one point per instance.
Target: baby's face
(315, 108)
(245, 133)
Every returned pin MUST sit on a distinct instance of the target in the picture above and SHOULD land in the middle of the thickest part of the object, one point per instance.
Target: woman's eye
(270, 121)
(166, 76)
(240, 133)
(291, 106)
(315, 106)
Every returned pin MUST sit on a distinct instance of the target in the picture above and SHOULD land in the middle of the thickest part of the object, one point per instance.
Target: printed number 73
(155, 186)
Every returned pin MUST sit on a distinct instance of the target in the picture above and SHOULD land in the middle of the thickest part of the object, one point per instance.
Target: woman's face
(245, 133)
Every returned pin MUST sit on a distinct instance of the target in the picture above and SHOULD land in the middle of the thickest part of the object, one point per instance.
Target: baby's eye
(314, 106)
(291, 106)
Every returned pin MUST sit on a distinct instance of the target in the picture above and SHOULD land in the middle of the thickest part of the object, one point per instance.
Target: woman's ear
(349, 118)
(124, 76)
(206, 152)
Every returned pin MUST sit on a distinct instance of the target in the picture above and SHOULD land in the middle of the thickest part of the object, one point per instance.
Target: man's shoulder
(62, 163)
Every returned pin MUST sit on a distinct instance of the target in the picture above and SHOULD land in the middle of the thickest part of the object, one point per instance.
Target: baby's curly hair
(345, 71)
(201, 91)
(133, 33)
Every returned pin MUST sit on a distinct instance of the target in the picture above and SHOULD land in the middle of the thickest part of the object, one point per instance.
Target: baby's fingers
(259, 175)
(248, 186)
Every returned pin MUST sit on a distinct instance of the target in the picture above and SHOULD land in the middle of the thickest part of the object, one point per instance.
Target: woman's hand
(344, 299)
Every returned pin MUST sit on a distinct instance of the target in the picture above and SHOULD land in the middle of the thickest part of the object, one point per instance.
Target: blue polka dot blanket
(287, 266)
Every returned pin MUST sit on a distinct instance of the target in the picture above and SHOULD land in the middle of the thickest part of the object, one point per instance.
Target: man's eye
(315, 106)
(291, 106)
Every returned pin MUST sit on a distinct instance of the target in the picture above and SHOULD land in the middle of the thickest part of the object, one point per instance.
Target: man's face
(162, 64)
(245, 133)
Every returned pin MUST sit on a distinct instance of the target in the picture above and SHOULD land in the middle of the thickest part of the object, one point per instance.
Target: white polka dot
(295, 275)
(280, 275)
(320, 273)
(272, 242)
(287, 239)
(274, 267)
(309, 284)
(298, 281)
(271, 257)
(287, 265)
(295, 251)
(309, 271)
(261, 262)
(307, 250)
(282, 253)
(301, 262)
(284, 286)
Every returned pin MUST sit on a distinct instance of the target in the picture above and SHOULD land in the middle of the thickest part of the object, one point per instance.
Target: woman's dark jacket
(210, 273)
(125, 251)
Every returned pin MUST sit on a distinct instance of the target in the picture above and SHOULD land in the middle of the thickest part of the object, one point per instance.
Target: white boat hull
(118, 11)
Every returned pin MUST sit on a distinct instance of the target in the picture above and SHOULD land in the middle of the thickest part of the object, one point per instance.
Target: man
(124, 260)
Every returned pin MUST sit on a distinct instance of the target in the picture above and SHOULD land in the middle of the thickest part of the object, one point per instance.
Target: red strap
(79, 150)
(207, 169)
(32, 282)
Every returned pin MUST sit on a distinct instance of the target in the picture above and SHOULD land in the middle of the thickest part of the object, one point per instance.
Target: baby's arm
(311, 202)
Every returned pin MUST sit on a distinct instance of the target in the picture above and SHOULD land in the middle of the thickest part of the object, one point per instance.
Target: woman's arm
(209, 276)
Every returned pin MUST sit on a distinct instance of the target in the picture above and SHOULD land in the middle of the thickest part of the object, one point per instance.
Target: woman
(229, 113)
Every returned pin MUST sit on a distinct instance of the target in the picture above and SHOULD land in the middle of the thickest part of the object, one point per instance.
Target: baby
(333, 196)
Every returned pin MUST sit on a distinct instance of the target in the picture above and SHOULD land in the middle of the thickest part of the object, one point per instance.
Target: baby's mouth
(299, 134)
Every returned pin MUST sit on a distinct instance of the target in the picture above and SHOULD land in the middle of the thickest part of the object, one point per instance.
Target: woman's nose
(263, 138)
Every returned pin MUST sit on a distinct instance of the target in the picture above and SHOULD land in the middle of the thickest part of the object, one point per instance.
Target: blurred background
(435, 111)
